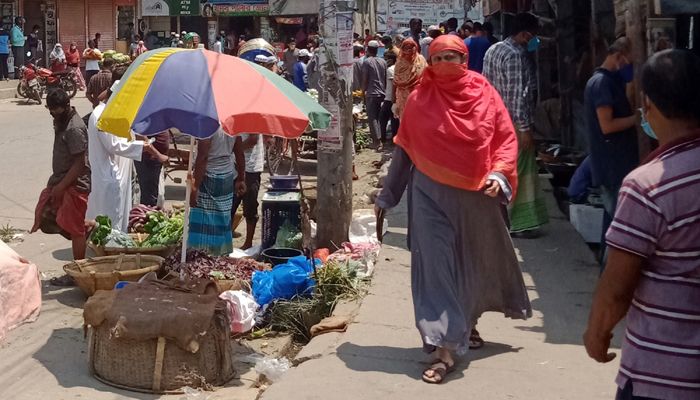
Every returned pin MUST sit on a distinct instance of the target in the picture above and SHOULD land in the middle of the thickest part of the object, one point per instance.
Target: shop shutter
(101, 19)
(71, 23)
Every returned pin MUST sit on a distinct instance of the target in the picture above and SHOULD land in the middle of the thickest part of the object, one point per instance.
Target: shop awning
(671, 7)
(294, 7)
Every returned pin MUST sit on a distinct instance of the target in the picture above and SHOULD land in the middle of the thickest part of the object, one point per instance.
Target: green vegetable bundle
(163, 231)
(101, 233)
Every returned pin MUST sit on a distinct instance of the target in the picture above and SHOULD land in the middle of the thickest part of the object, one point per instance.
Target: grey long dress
(462, 258)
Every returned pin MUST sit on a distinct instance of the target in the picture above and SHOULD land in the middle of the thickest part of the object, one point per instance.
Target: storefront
(78, 21)
(8, 12)
(294, 19)
(236, 18)
(160, 17)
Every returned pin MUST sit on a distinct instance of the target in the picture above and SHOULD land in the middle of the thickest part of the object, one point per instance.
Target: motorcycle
(29, 86)
(47, 79)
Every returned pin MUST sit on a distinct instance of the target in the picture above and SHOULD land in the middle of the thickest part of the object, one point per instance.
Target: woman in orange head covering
(457, 154)
(409, 67)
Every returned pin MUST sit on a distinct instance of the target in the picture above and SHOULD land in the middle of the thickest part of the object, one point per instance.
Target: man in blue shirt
(17, 39)
(4, 53)
(478, 43)
(300, 79)
(610, 123)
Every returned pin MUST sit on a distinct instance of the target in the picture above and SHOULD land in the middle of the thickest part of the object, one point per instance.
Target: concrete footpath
(8, 89)
(380, 357)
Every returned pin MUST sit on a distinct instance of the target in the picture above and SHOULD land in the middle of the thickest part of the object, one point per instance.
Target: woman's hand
(492, 188)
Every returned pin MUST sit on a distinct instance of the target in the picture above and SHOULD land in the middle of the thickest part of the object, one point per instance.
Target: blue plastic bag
(284, 281)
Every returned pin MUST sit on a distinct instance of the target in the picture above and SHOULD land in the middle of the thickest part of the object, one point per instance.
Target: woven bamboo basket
(159, 365)
(102, 273)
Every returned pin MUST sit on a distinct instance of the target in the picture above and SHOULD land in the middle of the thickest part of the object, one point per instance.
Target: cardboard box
(588, 221)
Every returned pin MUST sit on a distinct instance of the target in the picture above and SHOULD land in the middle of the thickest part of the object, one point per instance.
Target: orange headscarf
(455, 127)
(409, 67)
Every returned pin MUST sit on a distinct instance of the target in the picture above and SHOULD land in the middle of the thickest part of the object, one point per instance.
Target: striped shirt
(509, 70)
(658, 218)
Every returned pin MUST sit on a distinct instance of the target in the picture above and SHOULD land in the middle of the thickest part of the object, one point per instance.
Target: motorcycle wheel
(70, 87)
(21, 90)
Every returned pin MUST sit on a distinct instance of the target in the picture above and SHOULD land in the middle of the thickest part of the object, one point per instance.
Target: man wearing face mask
(651, 277)
(610, 123)
(508, 68)
(62, 205)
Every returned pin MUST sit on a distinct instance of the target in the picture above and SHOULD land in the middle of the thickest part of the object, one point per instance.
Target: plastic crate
(278, 208)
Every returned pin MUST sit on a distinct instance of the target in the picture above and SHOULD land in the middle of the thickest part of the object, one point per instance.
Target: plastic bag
(284, 281)
(119, 239)
(363, 228)
(272, 368)
(195, 394)
(241, 308)
(288, 236)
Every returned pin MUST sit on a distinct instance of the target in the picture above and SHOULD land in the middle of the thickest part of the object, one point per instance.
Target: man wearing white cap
(433, 33)
(300, 79)
(374, 88)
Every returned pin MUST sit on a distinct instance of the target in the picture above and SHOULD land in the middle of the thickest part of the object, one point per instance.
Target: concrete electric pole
(335, 149)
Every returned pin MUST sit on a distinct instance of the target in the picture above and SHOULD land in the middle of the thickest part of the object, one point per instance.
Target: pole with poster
(335, 150)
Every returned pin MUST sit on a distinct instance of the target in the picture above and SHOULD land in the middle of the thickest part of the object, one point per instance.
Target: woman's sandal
(475, 340)
(439, 370)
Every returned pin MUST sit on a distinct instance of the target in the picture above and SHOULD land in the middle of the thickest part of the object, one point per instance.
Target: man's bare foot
(246, 246)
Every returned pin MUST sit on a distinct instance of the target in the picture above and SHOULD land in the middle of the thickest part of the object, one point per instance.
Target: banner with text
(231, 8)
(393, 15)
(169, 8)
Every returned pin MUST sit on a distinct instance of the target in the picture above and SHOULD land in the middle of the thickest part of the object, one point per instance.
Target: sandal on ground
(475, 340)
(62, 281)
(439, 370)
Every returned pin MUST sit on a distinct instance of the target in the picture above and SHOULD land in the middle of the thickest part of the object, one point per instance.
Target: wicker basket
(162, 251)
(102, 273)
(159, 365)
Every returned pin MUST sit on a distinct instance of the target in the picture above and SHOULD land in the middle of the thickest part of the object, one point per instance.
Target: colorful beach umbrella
(197, 90)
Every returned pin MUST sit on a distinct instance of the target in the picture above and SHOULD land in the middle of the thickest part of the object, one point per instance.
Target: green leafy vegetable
(163, 231)
(101, 233)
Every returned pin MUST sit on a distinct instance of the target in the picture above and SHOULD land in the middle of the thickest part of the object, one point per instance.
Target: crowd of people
(465, 149)
(92, 174)
(456, 105)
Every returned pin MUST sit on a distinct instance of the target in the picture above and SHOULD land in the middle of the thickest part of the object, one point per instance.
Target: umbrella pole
(186, 229)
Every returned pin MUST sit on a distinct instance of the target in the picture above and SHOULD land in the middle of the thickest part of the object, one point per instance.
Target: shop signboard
(51, 29)
(169, 8)
(394, 15)
(234, 8)
(294, 7)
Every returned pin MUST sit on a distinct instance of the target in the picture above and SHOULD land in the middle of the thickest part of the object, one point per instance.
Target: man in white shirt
(254, 150)
(110, 165)
(385, 114)
(92, 60)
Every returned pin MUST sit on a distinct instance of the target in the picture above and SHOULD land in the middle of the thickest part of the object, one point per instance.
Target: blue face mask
(626, 73)
(646, 127)
(533, 44)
